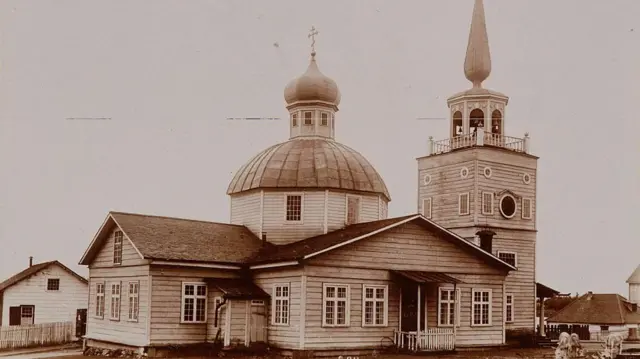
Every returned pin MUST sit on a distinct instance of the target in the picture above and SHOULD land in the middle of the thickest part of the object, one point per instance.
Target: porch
(426, 321)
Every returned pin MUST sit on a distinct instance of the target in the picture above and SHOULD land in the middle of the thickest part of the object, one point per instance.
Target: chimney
(486, 239)
(264, 238)
(30, 261)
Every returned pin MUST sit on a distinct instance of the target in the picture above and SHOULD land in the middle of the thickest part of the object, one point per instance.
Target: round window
(464, 172)
(487, 172)
(526, 178)
(427, 179)
(508, 206)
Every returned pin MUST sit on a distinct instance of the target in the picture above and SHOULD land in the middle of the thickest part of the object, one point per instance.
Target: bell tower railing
(479, 138)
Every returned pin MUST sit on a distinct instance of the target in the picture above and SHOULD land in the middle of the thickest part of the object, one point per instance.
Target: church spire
(477, 63)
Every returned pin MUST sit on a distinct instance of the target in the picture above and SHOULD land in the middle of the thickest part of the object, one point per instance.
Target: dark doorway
(410, 308)
(81, 322)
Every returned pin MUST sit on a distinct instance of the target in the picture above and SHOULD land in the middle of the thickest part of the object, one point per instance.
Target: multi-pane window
(280, 308)
(481, 307)
(100, 300)
(308, 118)
(448, 307)
(115, 301)
(509, 257)
(53, 284)
(335, 306)
(463, 204)
(294, 120)
(194, 302)
(324, 119)
(294, 208)
(375, 305)
(117, 248)
(426, 207)
(27, 314)
(526, 208)
(508, 315)
(353, 209)
(134, 300)
(487, 203)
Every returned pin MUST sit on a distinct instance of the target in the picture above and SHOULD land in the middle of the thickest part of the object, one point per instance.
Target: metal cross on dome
(312, 35)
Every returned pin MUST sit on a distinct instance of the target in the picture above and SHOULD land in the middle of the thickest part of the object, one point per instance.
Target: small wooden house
(46, 292)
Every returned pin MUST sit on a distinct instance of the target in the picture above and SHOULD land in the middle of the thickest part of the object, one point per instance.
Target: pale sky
(168, 74)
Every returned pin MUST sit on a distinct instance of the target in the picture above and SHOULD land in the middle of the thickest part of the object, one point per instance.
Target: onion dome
(312, 86)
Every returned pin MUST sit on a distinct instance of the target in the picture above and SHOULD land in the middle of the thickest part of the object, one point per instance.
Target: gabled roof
(313, 246)
(544, 291)
(34, 269)
(635, 276)
(597, 309)
(178, 239)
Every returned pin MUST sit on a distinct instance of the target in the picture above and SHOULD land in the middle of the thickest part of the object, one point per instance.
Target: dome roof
(313, 85)
(309, 163)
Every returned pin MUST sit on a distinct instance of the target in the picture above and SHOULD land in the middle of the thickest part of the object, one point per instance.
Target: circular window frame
(426, 179)
(526, 178)
(515, 206)
(487, 172)
(464, 172)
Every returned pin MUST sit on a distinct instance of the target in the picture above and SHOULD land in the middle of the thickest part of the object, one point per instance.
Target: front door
(258, 325)
(410, 308)
(81, 322)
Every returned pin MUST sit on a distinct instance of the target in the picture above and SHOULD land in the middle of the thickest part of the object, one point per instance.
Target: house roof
(313, 246)
(635, 276)
(544, 291)
(179, 239)
(597, 309)
(34, 269)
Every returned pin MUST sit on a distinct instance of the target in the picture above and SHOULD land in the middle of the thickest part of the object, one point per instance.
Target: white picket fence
(22, 336)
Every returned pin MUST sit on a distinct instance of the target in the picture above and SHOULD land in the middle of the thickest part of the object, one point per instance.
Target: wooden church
(311, 262)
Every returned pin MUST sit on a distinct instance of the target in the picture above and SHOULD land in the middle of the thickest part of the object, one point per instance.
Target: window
(426, 207)
(324, 119)
(27, 314)
(308, 116)
(526, 208)
(447, 312)
(487, 172)
(280, 308)
(335, 308)
(487, 203)
(134, 300)
(194, 302)
(115, 301)
(294, 119)
(353, 209)
(53, 284)
(117, 248)
(481, 307)
(375, 305)
(508, 206)
(509, 257)
(294, 207)
(463, 204)
(100, 300)
(508, 315)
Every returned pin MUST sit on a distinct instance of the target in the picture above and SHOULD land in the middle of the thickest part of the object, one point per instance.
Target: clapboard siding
(166, 297)
(130, 256)
(212, 328)
(245, 210)
(280, 231)
(238, 322)
(414, 248)
(50, 306)
(444, 189)
(369, 208)
(283, 336)
(123, 330)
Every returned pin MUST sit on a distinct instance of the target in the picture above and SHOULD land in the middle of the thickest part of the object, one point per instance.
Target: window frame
(304, 118)
(100, 309)
(346, 209)
(384, 300)
(473, 307)
(47, 284)
(515, 257)
(33, 313)
(347, 301)
(468, 207)
(195, 296)
(282, 298)
(286, 207)
(492, 203)
(294, 119)
(458, 297)
(430, 207)
(117, 250)
(115, 301)
(529, 207)
(324, 121)
(507, 305)
(133, 316)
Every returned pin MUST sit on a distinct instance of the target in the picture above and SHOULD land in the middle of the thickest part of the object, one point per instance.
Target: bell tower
(481, 183)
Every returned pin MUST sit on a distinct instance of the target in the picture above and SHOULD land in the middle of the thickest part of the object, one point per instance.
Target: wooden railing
(433, 339)
(23, 336)
(480, 138)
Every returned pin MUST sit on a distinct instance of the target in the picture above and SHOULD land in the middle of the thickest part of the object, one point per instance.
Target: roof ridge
(177, 218)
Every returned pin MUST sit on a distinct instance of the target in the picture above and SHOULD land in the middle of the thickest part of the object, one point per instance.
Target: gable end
(100, 239)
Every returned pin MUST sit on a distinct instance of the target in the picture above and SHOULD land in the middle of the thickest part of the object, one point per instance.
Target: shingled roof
(179, 239)
(33, 270)
(597, 309)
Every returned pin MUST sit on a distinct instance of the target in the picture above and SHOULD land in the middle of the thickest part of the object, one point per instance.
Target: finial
(477, 63)
(312, 35)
